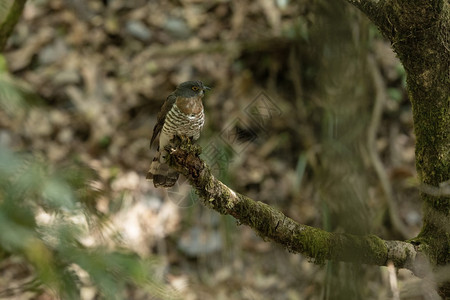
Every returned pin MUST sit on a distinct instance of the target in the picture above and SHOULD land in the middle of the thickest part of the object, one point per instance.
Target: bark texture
(419, 32)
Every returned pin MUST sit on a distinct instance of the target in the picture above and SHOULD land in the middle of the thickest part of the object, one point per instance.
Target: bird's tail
(161, 174)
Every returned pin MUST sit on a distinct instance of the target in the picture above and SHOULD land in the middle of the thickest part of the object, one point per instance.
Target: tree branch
(317, 244)
(380, 97)
(12, 11)
(372, 9)
(366, 6)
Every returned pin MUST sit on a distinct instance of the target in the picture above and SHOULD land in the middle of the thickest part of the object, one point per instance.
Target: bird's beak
(206, 88)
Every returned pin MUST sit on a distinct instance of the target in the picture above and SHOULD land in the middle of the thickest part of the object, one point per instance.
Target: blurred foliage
(44, 222)
(15, 95)
(4, 9)
(49, 212)
(103, 69)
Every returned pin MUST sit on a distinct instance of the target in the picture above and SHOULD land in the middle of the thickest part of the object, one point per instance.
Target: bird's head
(190, 89)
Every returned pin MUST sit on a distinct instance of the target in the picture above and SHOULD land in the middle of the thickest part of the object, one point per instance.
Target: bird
(181, 115)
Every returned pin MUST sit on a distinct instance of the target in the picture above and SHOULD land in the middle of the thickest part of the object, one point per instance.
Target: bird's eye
(195, 88)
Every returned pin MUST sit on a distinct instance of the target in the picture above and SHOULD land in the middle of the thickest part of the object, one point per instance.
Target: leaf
(58, 194)
(15, 95)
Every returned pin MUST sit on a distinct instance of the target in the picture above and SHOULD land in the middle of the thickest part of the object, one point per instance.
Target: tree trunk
(420, 35)
(419, 31)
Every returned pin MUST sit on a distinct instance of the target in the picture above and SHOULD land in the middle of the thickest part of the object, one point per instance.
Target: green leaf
(395, 94)
(58, 194)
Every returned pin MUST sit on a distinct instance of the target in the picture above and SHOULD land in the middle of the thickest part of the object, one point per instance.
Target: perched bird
(181, 115)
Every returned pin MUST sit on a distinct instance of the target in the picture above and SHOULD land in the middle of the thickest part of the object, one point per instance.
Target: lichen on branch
(317, 244)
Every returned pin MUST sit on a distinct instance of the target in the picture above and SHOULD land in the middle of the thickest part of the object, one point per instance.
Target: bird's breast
(178, 122)
(190, 106)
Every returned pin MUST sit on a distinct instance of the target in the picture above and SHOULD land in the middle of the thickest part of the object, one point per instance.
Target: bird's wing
(167, 106)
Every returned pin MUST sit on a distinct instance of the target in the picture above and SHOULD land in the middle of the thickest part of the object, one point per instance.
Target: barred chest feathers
(185, 118)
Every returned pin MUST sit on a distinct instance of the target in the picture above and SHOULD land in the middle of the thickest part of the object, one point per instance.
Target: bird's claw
(184, 143)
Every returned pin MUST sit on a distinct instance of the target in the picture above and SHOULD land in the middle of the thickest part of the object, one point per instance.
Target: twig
(442, 190)
(230, 48)
(294, 70)
(380, 96)
(393, 282)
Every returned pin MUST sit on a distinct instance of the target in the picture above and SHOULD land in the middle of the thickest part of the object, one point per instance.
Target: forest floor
(102, 70)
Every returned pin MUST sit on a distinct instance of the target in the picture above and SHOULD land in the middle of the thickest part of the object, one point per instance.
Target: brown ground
(103, 69)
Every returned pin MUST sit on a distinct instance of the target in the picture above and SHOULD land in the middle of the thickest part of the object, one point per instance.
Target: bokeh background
(308, 113)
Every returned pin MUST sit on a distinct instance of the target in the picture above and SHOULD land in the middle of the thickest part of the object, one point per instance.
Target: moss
(376, 248)
(316, 243)
(419, 36)
(434, 239)
(269, 223)
(368, 249)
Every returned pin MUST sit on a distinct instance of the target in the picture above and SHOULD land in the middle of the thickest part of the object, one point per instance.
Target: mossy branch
(318, 245)
(419, 34)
